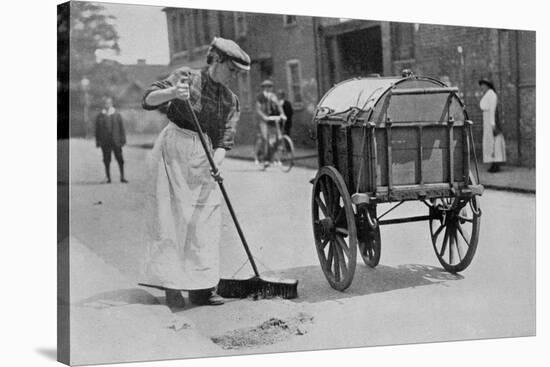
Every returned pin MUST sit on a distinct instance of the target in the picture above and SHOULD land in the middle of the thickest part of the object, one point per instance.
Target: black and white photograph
(234, 182)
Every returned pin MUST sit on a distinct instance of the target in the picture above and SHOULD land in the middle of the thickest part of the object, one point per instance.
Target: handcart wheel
(455, 231)
(368, 237)
(334, 228)
(285, 153)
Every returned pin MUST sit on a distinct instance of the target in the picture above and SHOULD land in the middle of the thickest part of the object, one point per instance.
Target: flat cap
(228, 47)
(267, 83)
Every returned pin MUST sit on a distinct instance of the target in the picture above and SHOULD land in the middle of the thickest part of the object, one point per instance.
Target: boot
(107, 173)
(174, 299)
(206, 297)
(121, 168)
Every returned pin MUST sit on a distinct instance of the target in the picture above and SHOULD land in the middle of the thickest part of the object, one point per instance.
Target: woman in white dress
(184, 200)
(494, 146)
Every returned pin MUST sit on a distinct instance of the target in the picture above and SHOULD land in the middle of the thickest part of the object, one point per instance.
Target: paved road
(407, 298)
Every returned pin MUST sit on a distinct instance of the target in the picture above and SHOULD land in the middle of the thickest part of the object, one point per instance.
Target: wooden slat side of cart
(416, 147)
(393, 140)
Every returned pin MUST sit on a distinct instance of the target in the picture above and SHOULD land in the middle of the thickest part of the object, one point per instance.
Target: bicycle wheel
(285, 153)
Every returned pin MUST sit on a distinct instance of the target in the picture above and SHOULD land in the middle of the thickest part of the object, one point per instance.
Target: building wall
(266, 38)
(463, 55)
(526, 50)
(460, 56)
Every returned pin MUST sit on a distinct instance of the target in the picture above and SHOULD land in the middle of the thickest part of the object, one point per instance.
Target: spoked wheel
(285, 153)
(455, 231)
(334, 228)
(368, 235)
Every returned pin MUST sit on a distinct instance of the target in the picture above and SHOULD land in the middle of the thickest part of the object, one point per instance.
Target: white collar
(109, 111)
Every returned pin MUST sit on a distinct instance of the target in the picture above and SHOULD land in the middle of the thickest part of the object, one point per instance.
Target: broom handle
(216, 174)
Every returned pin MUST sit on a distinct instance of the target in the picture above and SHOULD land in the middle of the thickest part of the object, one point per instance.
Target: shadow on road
(81, 183)
(313, 286)
(142, 145)
(133, 296)
(119, 297)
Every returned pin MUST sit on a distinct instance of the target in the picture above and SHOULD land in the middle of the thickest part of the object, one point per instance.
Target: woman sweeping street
(494, 146)
(184, 251)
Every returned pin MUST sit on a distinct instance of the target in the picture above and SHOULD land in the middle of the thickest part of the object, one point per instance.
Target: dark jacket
(287, 109)
(109, 130)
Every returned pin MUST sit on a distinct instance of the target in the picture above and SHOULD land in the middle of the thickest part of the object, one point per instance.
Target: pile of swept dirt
(269, 332)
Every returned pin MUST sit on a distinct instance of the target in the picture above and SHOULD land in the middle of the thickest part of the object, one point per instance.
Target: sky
(142, 31)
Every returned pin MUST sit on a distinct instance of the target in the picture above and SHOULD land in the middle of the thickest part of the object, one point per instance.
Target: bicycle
(278, 151)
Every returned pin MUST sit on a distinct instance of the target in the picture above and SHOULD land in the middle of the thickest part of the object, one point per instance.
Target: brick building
(280, 48)
(305, 56)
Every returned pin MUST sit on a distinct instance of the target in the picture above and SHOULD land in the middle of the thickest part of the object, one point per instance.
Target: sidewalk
(511, 178)
(114, 321)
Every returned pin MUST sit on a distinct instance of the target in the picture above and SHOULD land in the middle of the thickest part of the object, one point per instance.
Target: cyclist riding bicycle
(270, 115)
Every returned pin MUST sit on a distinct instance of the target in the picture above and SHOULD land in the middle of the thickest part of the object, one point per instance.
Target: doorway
(355, 54)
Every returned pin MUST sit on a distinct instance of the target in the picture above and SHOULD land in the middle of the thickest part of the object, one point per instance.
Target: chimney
(141, 61)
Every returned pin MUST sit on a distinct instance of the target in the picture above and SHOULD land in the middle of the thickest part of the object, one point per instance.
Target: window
(181, 32)
(205, 27)
(240, 24)
(289, 19)
(294, 79)
(175, 32)
(266, 68)
(201, 28)
(197, 28)
(402, 36)
(222, 27)
(244, 91)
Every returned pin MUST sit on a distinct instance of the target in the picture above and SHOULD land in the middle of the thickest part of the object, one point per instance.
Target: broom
(257, 286)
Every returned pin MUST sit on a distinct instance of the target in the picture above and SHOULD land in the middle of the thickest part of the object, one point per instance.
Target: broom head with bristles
(258, 287)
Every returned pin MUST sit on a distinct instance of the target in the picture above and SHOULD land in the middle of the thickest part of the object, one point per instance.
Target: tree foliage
(107, 78)
(90, 30)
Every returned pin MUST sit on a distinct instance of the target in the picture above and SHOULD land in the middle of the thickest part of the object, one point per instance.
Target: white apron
(494, 147)
(185, 225)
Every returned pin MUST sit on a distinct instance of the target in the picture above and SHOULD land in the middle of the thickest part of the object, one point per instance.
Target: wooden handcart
(392, 140)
